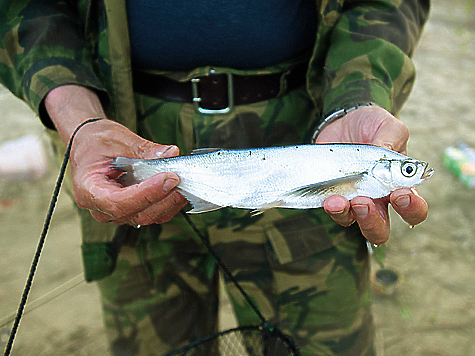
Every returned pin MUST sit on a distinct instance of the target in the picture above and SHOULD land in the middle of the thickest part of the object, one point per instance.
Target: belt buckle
(197, 99)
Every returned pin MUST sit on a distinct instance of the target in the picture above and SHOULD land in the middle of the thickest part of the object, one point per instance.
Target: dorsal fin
(201, 151)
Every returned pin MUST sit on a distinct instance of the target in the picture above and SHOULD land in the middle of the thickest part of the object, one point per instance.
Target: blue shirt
(246, 34)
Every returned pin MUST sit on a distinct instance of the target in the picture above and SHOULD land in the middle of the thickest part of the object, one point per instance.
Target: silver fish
(299, 177)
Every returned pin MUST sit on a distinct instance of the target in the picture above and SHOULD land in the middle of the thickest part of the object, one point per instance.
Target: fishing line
(225, 269)
(45, 298)
(41, 242)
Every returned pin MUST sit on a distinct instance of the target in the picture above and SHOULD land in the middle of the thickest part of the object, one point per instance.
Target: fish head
(401, 173)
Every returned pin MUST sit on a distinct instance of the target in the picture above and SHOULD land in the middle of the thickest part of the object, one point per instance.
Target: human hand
(95, 183)
(373, 125)
(95, 146)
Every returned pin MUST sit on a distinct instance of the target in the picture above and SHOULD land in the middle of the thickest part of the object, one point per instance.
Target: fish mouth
(427, 172)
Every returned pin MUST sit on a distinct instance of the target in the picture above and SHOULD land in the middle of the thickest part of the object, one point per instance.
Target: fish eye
(408, 169)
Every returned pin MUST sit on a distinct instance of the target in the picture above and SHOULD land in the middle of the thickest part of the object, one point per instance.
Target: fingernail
(415, 192)
(342, 213)
(403, 201)
(169, 184)
(169, 151)
(361, 211)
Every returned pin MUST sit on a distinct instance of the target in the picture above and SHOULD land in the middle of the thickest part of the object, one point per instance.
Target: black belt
(218, 92)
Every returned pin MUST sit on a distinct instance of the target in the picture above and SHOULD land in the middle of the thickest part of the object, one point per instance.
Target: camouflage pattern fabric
(307, 275)
(361, 54)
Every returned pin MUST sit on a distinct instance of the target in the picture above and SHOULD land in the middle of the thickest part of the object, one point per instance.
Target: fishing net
(242, 341)
(257, 340)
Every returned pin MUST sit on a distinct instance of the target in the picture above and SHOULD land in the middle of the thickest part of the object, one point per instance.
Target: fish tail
(125, 165)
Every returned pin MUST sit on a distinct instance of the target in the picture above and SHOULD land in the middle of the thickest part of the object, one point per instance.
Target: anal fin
(265, 207)
(199, 205)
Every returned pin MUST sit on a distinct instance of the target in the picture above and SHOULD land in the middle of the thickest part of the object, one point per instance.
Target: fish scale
(298, 177)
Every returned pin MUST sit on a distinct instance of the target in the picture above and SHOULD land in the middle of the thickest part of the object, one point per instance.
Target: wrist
(69, 106)
(335, 115)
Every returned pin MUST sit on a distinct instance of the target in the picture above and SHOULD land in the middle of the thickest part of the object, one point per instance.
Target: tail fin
(125, 165)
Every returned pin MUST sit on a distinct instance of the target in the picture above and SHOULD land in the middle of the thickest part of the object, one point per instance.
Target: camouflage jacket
(362, 53)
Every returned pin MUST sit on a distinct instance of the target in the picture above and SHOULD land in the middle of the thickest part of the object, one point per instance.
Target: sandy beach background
(432, 311)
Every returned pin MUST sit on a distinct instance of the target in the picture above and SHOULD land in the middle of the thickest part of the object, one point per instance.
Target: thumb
(150, 150)
(393, 135)
(167, 151)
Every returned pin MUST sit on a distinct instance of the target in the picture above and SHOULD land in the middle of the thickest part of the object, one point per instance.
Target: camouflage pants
(307, 275)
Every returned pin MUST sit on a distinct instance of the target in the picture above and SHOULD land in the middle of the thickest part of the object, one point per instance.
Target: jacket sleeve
(369, 55)
(42, 46)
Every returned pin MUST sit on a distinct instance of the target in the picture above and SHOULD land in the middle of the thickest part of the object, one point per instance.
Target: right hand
(95, 183)
(96, 144)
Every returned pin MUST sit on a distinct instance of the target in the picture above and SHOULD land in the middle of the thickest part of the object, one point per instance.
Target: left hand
(373, 125)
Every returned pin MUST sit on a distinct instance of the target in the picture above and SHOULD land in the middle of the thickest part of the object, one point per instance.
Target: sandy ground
(433, 310)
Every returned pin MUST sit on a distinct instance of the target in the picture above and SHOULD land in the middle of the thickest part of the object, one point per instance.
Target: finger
(140, 148)
(160, 213)
(409, 205)
(101, 217)
(373, 218)
(155, 214)
(151, 150)
(393, 135)
(338, 207)
(168, 151)
(110, 198)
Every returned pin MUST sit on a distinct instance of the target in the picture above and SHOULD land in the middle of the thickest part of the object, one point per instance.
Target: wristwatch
(336, 115)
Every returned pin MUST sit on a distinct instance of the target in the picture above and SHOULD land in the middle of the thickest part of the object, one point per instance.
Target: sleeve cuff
(44, 77)
(355, 93)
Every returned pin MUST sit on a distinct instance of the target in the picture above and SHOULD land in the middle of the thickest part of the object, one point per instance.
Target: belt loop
(293, 78)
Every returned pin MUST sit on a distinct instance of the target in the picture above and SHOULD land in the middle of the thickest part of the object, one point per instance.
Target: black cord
(41, 242)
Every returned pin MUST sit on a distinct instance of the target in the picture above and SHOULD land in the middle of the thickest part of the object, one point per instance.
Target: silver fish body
(298, 177)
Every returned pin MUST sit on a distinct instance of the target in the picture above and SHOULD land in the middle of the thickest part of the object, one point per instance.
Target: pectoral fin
(345, 186)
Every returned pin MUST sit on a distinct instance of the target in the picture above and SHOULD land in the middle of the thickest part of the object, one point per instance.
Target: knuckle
(178, 199)
(403, 127)
(100, 217)
(115, 210)
(80, 198)
(142, 218)
(346, 223)
(342, 219)
(371, 227)
(374, 233)
(81, 203)
(143, 148)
